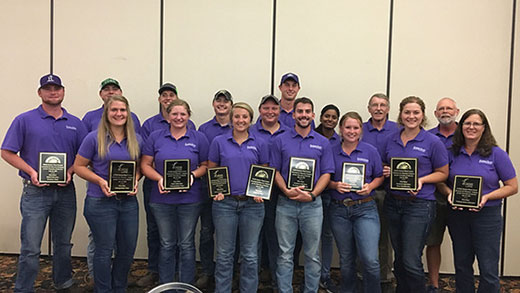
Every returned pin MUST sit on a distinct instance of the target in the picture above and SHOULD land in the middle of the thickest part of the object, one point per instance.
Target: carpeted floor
(8, 264)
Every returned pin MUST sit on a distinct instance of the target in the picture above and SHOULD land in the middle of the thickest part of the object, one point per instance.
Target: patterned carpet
(44, 283)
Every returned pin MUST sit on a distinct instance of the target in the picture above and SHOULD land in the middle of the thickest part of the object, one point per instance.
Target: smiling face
(269, 112)
(446, 111)
(351, 130)
(178, 117)
(240, 120)
(51, 94)
(329, 119)
(222, 106)
(108, 91)
(303, 115)
(412, 115)
(378, 109)
(473, 128)
(117, 113)
(166, 98)
(289, 89)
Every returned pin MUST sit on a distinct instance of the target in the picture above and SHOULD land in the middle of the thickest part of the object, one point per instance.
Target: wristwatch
(313, 196)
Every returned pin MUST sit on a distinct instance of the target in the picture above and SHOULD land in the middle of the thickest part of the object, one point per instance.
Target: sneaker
(432, 289)
(203, 281)
(148, 280)
(329, 286)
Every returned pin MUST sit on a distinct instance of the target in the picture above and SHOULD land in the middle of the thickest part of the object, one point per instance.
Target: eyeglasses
(472, 124)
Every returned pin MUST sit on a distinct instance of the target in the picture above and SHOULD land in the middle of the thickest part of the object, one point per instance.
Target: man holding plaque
(48, 128)
(300, 207)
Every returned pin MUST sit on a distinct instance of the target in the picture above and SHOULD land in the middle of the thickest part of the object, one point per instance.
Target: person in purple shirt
(446, 113)
(299, 209)
(410, 213)
(108, 87)
(176, 212)
(48, 128)
(222, 103)
(167, 94)
(329, 118)
(477, 232)
(238, 213)
(353, 213)
(112, 218)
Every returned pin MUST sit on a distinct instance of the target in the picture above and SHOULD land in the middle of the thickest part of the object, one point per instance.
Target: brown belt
(401, 197)
(348, 202)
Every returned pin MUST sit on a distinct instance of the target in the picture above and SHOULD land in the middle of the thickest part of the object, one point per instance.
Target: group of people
(358, 218)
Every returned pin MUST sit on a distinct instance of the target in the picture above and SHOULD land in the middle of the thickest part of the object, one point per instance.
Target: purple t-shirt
(161, 145)
(36, 131)
(313, 146)
(258, 130)
(429, 151)
(447, 141)
(225, 151)
(100, 166)
(377, 137)
(364, 153)
(213, 129)
(157, 122)
(92, 118)
(497, 167)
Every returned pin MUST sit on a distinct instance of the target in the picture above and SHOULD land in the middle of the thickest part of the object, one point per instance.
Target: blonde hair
(179, 102)
(244, 106)
(105, 132)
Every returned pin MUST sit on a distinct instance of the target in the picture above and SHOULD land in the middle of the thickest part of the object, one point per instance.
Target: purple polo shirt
(158, 122)
(335, 140)
(92, 118)
(213, 129)
(364, 153)
(429, 151)
(100, 166)
(378, 137)
(225, 151)
(161, 145)
(313, 146)
(447, 141)
(36, 131)
(497, 167)
(259, 131)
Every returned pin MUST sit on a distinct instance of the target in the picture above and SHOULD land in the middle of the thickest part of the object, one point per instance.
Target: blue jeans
(327, 239)
(356, 230)
(152, 232)
(114, 223)
(307, 217)
(176, 223)
(206, 241)
(36, 205)
(409, 222)
(269, 234)
(476, 234)
(245, 217)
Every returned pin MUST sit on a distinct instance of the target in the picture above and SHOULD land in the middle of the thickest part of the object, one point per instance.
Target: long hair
(409, 100)
(487, 140)
(106, 137)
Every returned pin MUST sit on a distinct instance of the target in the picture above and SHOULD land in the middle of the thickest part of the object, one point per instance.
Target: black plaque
(403, 174)
(301, 173)
(218, 181)
(177, 174)
(466, 191)
(52, 168)
(354, 175)
(121, 176)
(260, 181)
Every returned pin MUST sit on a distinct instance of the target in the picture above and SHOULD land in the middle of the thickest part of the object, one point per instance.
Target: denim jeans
(36, 205)
(114, 223)
(409, 223)
(245, 217)
(476, 234)
(356, 230)
(291, 217)
(206, 241)
(386, 255)
(269, 234)
(152, 232)
(327, 239)
(176, 223)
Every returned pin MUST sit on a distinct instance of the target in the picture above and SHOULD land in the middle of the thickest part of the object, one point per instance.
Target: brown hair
(409, 100)
(486, 142)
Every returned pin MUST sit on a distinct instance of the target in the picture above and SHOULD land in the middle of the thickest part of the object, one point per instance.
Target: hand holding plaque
(218, 181)
(354, 175)
(177, 174)
(121, 176)
(52, 168)
(260, 181)
(466, 191)
(301, 173)
(403, 174)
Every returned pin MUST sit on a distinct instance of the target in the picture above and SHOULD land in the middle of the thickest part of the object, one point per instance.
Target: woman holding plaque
(112, 218)
(174, 206)
(238, 213)
(477, 231)
(353, 212)
(419, 160)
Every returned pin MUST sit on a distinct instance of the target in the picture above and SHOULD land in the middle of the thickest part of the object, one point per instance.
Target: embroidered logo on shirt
(190, 144)
(488, 162)
(70, 127)
(416, 148)
(362, 160)
(251, 147)
(315, 146)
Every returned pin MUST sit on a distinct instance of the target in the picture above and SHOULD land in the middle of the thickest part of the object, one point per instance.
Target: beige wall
(339, 48)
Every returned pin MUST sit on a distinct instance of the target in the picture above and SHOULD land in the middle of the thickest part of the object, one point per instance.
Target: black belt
(402, 197)
(348, 202)
(239, 197)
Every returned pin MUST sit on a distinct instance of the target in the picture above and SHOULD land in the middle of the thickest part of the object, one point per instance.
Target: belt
(26, 181)
(402, 197)
(348, 202)
(121, 196)
(239, 197)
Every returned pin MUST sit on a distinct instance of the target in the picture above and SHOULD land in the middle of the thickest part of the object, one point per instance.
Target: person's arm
(16, 161)
(438, 175)
(509, 188)
(289, 192)
(368, 187)
(81, 168)
(305, 196)
(149, 171)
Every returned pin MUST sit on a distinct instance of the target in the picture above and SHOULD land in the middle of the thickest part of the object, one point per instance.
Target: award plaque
(403, 174)
(218, 181)
(121, 176)
(301, 173)
(52, 168)
(354, 175)
(260, 181)
(466, 191)
(177, 174)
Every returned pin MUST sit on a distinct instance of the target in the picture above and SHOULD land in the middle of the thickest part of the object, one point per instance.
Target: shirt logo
(416, 148)
(190, 144)
(487, 162)
(70, 127)
(362, 160)
(251, 147)
(314, 146)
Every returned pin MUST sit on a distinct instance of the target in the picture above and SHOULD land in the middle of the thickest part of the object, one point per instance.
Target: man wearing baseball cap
(48, 128)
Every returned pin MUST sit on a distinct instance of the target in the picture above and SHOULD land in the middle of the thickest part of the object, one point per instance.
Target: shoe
(432, 289)
(148, 280)
(203, 281)
(89, 281)
(329, 286)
